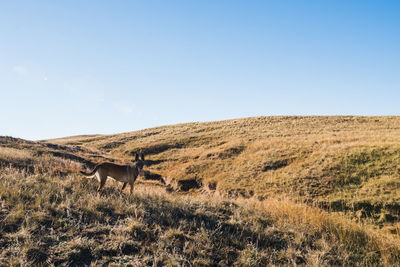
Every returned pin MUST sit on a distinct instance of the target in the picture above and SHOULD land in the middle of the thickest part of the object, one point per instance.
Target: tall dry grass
(60, 220)
(347, 163)
(262, 182)
(354, 235)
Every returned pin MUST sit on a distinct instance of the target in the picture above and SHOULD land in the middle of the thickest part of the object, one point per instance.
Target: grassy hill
(254, 191)
(345, 163)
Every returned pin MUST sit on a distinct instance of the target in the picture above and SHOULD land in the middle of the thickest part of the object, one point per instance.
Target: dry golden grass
(63, 221)
(351, 234)
(345, 163)
(290, 190)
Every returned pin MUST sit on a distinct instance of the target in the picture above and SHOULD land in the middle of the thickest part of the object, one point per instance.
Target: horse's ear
(142, 156)
(136, 156)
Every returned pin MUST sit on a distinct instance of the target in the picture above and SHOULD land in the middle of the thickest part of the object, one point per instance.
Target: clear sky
(86, 67)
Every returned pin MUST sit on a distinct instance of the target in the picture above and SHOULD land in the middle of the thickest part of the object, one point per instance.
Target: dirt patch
(129, 248)
(153, 176)
(80, 256)
(186, 185)
(275, 164)
(232, 151)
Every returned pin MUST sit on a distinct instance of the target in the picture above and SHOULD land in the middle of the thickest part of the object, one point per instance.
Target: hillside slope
(250, 192)
(58, 220)
(344, 163)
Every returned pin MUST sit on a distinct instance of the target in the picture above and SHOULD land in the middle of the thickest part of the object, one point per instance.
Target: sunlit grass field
(61, 220)
(346, 163)
(247, 192)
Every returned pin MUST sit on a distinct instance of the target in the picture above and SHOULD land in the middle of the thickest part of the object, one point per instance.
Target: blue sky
(85, 67)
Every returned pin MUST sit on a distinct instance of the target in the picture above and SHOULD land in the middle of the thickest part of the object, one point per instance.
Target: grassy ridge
(345, 163)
